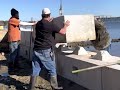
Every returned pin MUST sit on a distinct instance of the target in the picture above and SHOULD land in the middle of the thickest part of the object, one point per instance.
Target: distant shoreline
(116, 40)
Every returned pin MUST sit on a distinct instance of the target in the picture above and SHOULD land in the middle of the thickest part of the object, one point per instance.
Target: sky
(32, 8)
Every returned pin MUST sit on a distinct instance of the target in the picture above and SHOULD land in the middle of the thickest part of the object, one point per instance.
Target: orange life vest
(14, 33)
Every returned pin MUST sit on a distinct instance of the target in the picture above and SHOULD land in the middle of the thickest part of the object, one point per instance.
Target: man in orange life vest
(14, 37)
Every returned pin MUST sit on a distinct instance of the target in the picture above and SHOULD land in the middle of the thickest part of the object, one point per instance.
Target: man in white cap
(44, 44)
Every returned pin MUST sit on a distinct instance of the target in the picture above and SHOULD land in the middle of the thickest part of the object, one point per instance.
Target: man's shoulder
(12, 19)
(39, 21)
(43, 22)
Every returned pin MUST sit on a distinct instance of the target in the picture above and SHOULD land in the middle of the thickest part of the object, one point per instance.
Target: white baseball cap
(46, 11)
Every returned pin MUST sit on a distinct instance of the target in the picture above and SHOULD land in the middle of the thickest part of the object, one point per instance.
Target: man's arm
(26, 23)
(63, 30)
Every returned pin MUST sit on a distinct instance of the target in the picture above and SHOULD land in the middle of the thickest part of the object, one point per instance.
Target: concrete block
(105, 78)
(90, 79)
(82, 28)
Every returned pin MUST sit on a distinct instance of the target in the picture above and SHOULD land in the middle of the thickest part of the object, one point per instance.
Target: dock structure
(103, 78)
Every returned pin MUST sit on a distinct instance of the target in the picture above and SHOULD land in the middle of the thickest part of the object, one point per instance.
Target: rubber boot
(54, 83)
(32, 82)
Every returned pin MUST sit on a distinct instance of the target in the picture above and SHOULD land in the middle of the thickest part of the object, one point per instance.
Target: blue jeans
(14, 52)
(44, 58)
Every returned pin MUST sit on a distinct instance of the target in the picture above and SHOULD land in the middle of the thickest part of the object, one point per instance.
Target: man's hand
(67, 23)
(63, 30)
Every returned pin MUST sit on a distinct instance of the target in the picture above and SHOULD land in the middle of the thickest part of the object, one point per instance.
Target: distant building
(1, 25)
